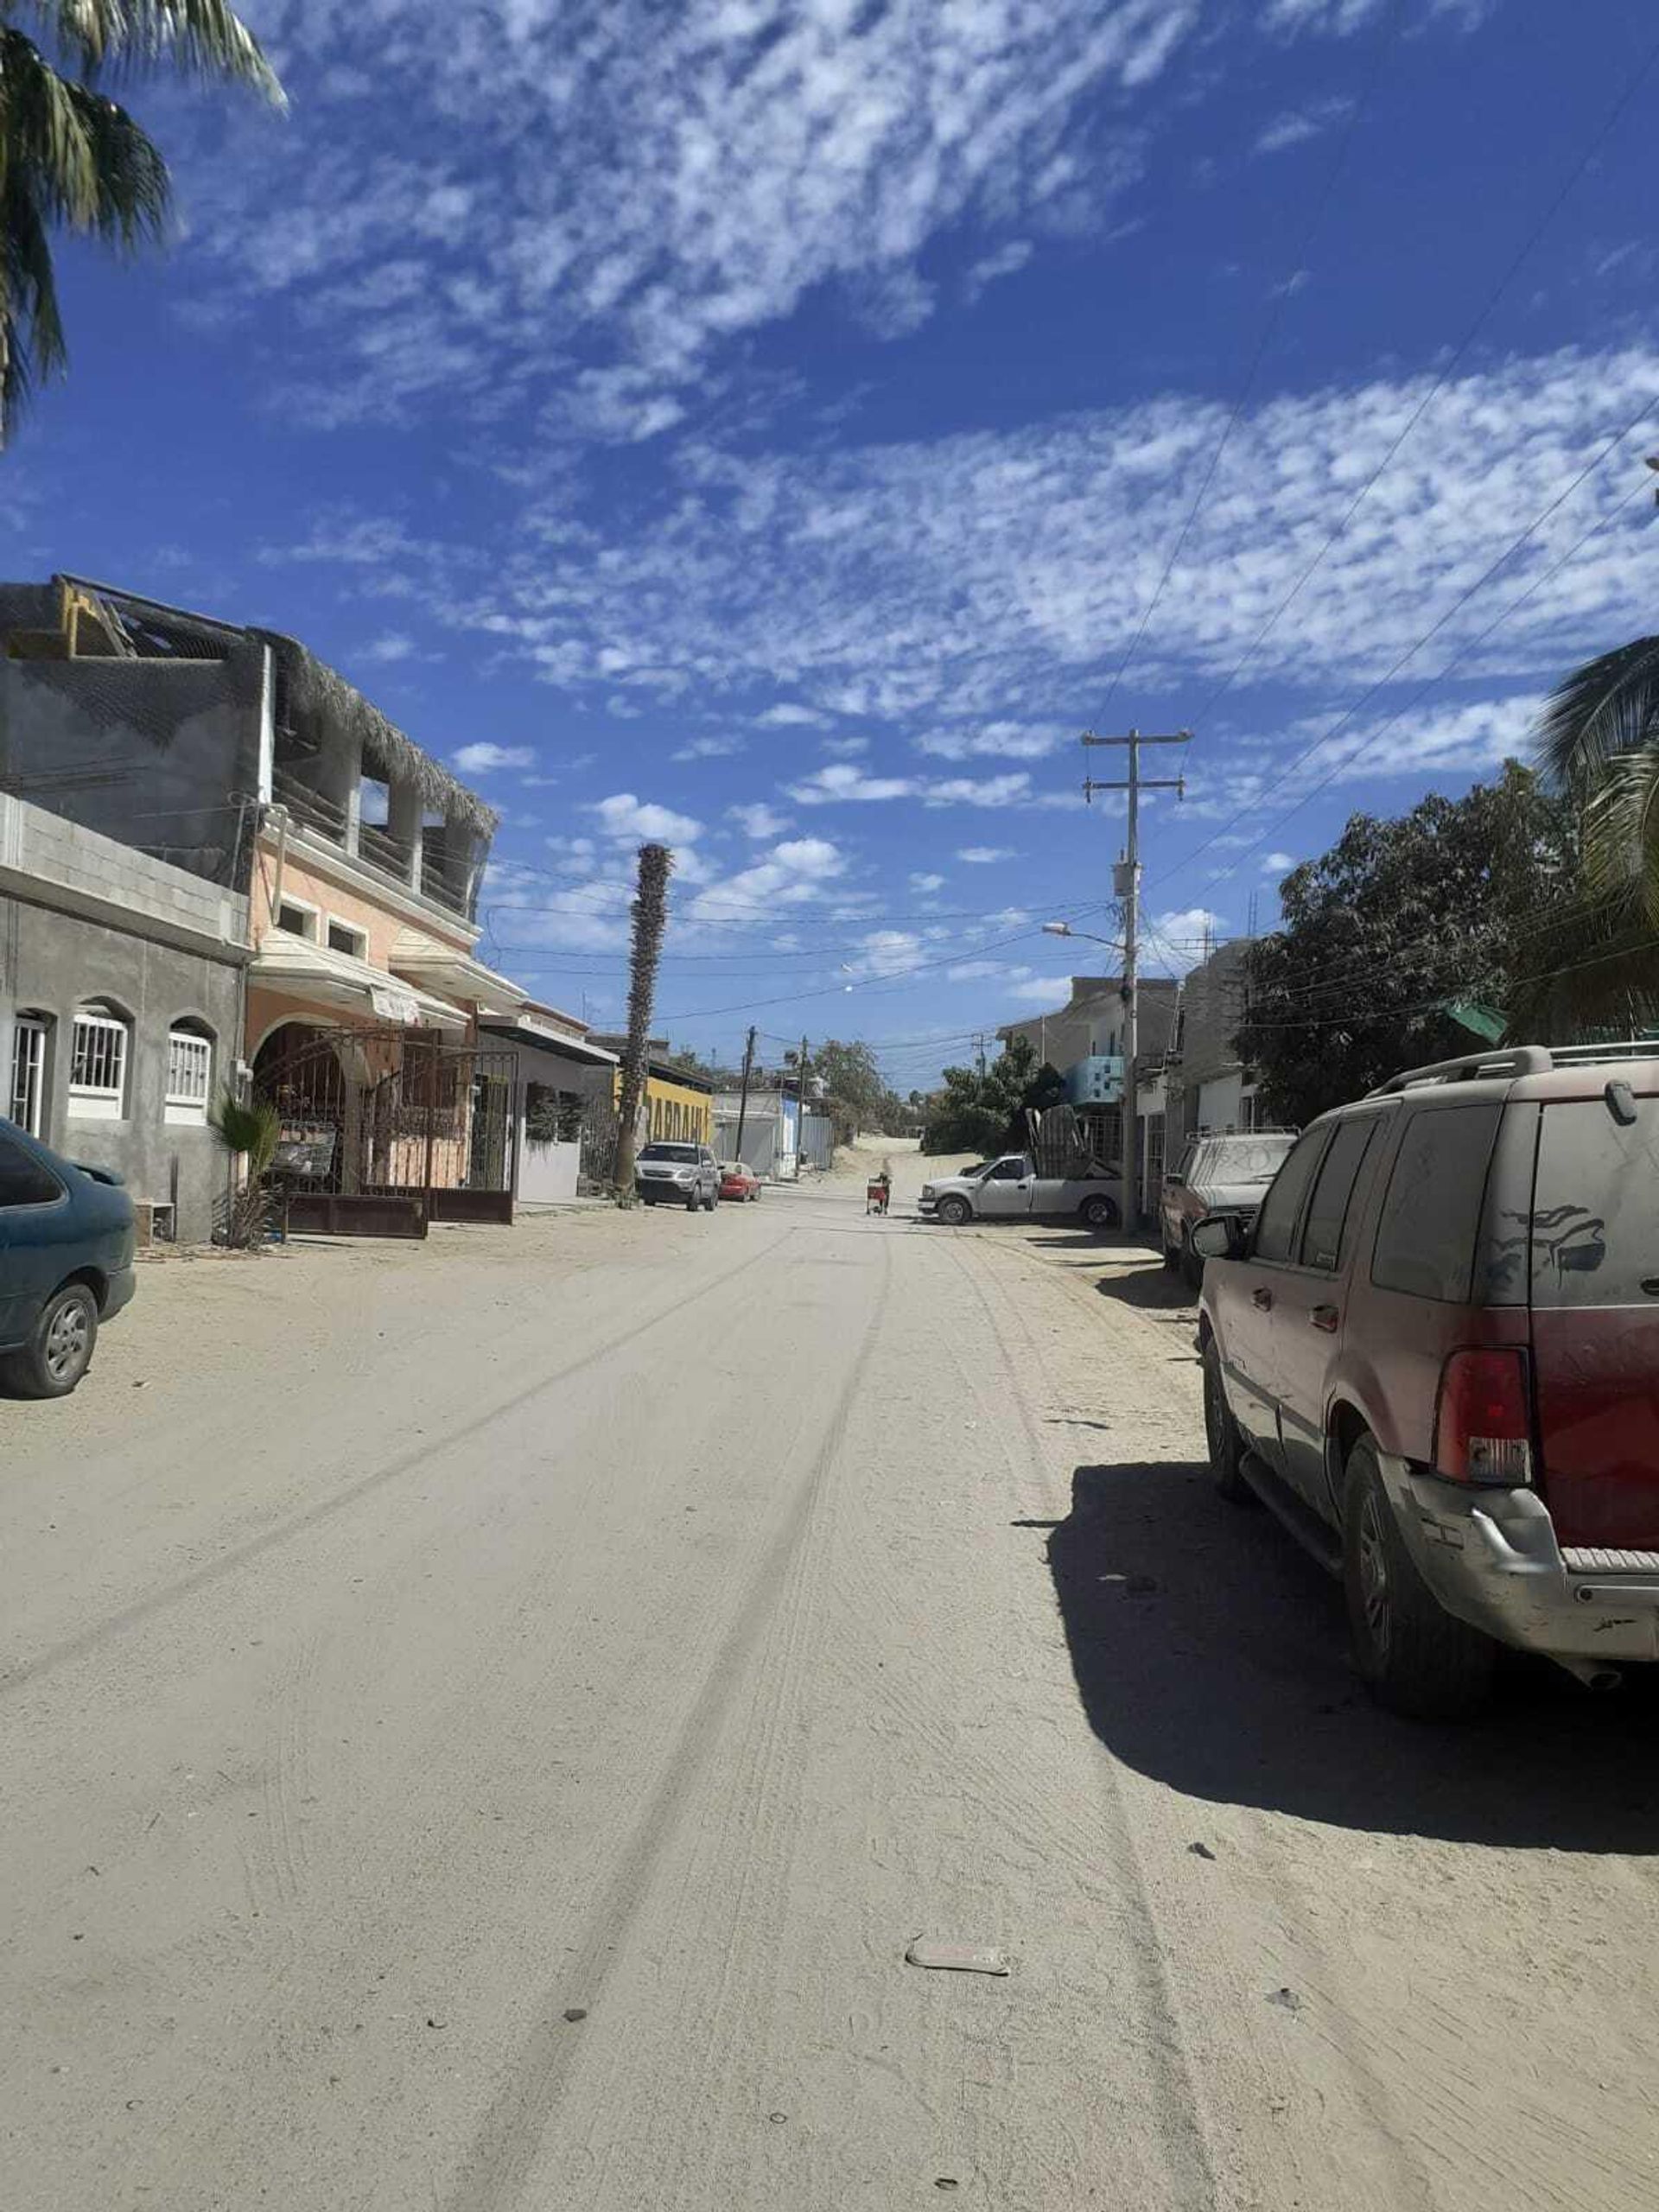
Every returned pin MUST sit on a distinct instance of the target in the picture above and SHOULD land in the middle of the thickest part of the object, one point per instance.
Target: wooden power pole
(743, 1095)
(1127, 886)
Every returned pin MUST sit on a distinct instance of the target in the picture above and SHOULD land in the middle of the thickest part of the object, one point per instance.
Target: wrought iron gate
(387, 1131)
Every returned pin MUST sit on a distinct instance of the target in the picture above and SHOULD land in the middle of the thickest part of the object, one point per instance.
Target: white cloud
(629, 820)
(847, 785)
(708, 749)
(1300, 125)
(985, 855)
(1006, 261)
(1175, 941)
(478, 759)
(1278, 863)
(798, 871)
(845, 748)
(660, 182)
(391, 645)
(996, 739)
(923, 885)
(1050, 991)
(885, 952)
(788, 716)
(976, 972)
(759, 821)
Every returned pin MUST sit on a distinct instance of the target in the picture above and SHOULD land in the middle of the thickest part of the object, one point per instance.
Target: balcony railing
(440, 878)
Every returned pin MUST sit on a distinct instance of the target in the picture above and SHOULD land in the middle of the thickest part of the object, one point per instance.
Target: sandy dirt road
(481, 1725)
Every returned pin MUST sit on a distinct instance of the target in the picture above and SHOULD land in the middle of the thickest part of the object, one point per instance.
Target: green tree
(249, 1131)
(71, 159)
(854, 1090)
(649, 918)
(1397, 926)
(985, 1113)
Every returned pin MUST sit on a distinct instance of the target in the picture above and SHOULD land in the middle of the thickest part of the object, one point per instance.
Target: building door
(26, 1099)
(1152, 1167)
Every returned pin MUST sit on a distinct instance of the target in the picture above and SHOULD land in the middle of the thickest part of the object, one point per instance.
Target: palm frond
(1621, 829)
(249, 1128)
(1608, 706)
(200, 38)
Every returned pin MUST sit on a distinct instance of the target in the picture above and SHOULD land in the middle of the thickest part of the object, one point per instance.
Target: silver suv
(1434, 1356)
(677, 1175)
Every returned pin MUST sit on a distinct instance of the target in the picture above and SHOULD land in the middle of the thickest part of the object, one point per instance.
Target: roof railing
(1470, 1067)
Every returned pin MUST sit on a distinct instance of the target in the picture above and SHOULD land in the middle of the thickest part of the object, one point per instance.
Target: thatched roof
(318, 698)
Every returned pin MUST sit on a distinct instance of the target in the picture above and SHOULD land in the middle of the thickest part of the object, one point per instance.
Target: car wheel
(693, 1200)
(1222, 1435)
(60, 1351)
(1415, 1657)
(954, 1210)
(1099, 1213)
(712, 1200)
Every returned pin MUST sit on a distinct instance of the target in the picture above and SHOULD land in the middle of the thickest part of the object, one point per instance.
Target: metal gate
(387, 1131)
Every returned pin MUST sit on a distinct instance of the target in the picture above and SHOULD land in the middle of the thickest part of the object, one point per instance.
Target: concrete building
(1089, 1026)
(121, 986)
(679, 1104)
(564, 1100)
(770, 1123)
(234, 755)
(1211, 1088)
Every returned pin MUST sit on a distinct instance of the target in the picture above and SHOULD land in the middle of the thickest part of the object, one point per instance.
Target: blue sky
(782, 428)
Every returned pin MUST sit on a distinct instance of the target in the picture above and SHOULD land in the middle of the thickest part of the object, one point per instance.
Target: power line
(1410, 653)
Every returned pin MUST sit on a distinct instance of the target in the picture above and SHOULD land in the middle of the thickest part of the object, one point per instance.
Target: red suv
(1435, 1355)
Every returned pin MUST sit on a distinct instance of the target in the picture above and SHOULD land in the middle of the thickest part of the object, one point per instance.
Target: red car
(737, 1181)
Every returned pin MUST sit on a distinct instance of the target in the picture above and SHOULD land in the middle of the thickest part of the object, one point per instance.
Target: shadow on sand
(1211, 1653)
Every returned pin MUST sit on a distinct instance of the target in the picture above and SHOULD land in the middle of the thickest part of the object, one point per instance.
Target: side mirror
(1220, 1238)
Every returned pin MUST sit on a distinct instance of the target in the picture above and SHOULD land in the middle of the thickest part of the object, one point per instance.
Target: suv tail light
(1483, 1430)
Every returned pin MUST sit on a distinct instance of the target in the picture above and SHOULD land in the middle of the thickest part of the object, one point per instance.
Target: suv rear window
(1595, 1206)
(1425, 1235)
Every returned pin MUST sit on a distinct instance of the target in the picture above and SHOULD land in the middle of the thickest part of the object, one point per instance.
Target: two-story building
(234, 755)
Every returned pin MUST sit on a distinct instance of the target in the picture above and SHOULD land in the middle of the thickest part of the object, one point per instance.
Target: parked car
(678, 1174)
(1216, 1175)
(737, 1180)
(65, 1263)
(1434, 1356)
(1010, 1187)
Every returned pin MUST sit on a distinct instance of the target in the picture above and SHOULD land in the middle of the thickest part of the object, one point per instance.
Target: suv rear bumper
(1490, 1557)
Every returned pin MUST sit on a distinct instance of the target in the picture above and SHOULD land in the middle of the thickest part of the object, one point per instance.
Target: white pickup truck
(1010, 1188)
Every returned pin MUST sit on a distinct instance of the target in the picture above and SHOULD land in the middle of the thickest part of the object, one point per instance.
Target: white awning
(524, 1029)
(313, 971)
(444, 968)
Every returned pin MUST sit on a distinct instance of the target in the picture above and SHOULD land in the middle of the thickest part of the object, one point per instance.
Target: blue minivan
(65, 1263)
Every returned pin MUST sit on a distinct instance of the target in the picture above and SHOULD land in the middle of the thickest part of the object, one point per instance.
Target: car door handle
(1325, 1317)
(1263, 1297)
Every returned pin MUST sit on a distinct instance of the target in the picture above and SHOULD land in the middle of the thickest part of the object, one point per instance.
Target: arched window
(98, 1063)
(26, 1094)
(189, 1072)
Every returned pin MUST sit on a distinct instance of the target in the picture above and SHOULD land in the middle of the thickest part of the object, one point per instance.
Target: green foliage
(984, 1114)
(71, 159)
(856, 1091)
(1460, 899)
(249, 1128)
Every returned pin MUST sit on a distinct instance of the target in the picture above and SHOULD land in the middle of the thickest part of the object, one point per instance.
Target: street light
(1064, 929)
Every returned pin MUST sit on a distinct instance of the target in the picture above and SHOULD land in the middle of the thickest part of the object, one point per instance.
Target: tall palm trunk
(649, 914)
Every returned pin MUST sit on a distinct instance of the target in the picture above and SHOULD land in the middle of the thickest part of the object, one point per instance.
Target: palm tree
(1598, 740)
(70, 158)
(249, 1130)
(649, 915)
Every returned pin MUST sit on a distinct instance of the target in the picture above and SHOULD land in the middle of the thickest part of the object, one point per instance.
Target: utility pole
(743, 1095)
(800, 1111)
(1126, 885)
(978, 1042)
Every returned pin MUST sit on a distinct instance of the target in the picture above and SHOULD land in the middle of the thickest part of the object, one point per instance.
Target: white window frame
(105, 1100)
(190, 1077)
(26, 1092)
(312, 917)
(355, 930)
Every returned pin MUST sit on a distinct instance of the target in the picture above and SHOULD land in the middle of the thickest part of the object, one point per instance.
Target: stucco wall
(50, 962)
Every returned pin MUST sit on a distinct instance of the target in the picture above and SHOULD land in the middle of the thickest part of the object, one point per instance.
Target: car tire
(1414, 1657)
(954, 1210)
(1099, 1213)
(693, 1203)
(1222, 1435)
(59, 1348)
(712, 1200)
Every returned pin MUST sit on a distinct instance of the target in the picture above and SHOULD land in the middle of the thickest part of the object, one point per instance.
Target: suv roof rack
(1519, 1060)
(1514, 1060)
